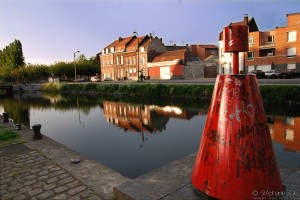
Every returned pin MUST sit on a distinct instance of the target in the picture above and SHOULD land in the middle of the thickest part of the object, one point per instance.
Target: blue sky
(52, 30)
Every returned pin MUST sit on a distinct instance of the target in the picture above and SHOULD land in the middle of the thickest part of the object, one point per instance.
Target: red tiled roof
(170, 55)
(121, 42)
(133, 44)
(207, 46)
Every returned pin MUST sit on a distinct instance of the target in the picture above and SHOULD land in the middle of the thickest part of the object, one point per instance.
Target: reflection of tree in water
(18, 111)
(158, 122)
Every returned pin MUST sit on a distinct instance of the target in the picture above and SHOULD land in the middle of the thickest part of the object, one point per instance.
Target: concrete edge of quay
(169, 182)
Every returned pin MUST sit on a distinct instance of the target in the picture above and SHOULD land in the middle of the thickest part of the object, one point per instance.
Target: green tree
(11, 58)
(12, 55)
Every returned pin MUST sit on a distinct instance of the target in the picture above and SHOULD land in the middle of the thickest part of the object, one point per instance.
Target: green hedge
(273, 94)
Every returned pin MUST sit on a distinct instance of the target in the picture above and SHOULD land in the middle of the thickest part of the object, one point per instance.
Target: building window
(111, 62)
(122, 60)
(291, 66)
(271, 52)
(222, 53)
(106, 50)
(103, 51)
(134, 61)
(117, 60)
(134, 70)
(143, 60)
(213, 52)
(251, 40)
(291, 52)
(291, 36)
(130, 70)
(112, 49)
(142, 49)
(130, 62)
(250, 55)
(271, 39)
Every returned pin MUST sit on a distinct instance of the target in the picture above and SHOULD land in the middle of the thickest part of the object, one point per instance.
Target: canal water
(134, 136)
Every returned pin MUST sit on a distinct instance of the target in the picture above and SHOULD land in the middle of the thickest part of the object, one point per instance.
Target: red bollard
(236, 159)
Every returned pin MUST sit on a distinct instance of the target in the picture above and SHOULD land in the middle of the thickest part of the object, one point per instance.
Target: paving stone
(77, 190)
(61, 197)
(63, 176)
(60, 189)
(31, 176)
(35, 192)
(30, 182)
(73, 184)
(66, 180)
(15, 187)
(46, 195)
(51, 180)
(21, 197)
(49, 187)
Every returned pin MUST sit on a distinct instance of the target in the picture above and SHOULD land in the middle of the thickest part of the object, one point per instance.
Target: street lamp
(138, 61)
(75, 66)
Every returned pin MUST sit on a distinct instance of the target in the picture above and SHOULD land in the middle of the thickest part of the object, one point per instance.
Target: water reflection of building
(286, 130)
(142, 118)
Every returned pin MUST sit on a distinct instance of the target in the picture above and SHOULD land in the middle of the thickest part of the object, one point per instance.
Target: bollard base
(236, 156)
(37, 132)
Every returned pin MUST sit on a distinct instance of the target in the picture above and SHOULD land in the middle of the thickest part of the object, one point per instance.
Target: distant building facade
(275, 49)
(119, 60)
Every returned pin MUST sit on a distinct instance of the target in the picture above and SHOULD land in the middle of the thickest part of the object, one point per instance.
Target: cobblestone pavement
(30, 175)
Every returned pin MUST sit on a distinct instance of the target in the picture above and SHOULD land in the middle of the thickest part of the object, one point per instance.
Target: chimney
(187, 45)
(150, 34)
(246, 19)
(120, 39)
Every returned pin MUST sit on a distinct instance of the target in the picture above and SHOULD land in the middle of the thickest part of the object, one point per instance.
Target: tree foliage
(12, 55)
(13, 68)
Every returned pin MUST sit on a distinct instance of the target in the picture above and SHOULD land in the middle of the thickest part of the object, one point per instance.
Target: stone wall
(200, 69)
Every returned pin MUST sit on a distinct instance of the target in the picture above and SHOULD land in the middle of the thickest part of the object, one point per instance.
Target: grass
(271, 94)
(8, 137)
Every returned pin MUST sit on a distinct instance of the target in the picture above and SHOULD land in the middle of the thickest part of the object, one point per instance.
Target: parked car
(79, 80)
(95, 79)
(258, 73)
(108, 79)
(289, 73)
(272, 74)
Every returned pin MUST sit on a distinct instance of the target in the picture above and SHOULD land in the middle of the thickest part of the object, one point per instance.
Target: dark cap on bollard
(37, 132)
(5, 117)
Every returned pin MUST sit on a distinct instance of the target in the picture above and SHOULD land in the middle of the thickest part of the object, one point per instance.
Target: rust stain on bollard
(37, 132)
(236, 156)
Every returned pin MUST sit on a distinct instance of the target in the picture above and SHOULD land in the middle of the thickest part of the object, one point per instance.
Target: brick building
(274, 49)
(203, 51)
(168, 65)
(119, 60)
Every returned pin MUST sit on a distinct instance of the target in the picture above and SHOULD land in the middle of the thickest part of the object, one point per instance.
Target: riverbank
(271, 94)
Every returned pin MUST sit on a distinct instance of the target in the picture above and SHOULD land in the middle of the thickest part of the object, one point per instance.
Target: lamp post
(75, 66)
(138, 61)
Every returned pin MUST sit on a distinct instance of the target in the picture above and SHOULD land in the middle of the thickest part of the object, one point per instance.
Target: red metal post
(235, 63)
